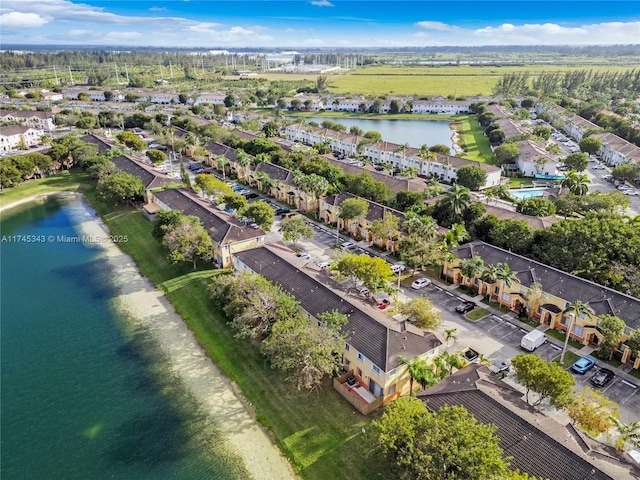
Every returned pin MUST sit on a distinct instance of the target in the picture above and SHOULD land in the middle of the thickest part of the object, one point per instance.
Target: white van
(533, 340)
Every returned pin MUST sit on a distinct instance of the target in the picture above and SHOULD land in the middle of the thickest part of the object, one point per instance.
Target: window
(578, 331)
(392, 389)
(360, 357)
(375, 368)
(393, 372)
(319, 323)
(259, 239)
(359, 372)
(347, 347)
(506, 297)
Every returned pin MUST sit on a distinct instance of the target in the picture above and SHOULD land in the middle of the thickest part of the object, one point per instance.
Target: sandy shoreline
(216, 394)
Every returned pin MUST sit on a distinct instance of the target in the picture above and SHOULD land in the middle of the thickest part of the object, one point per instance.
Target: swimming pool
(529, 193)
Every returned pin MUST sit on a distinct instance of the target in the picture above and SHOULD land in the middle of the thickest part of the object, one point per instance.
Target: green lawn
(530, 322)
(63, 181)
(635, 372)
(477, 314)
(569, 359)
(473, 139)
(561, 336)
(497, 306)
(319, 432)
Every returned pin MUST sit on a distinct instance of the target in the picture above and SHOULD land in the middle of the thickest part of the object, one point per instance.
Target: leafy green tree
(406, 199)
(542, 131)
(295, 229)
(440, 148)
(419, 371)
(210, 185)
(59, 155)
(157, 157)
(165, 219)
(633, 342)
(101, 168)
(303, 351)
(418, 253)
(612, 329)
(119, 187)
(471, 267)
(187, 240)
(374, 273)
(131, 140)
(514, 235)
(548, 380)
(472, 177)
(590, 145)
(577, 161)
(457, 199)
(10, 176)
(444, 445)
(576, 309)
(421, 312)
(626, 172)
(592, 411)
(386, 228)
(260, 213)
(506, 153)
(576, 184)
(352, 209)
(234, 201)
(537, 207)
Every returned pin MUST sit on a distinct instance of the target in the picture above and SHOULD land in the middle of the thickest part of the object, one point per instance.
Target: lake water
(84, 394)
(414, 132)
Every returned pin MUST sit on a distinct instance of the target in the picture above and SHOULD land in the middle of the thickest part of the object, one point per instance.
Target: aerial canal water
(85, 395)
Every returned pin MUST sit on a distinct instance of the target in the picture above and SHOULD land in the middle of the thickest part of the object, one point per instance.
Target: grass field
(472, 138)
(569, 359)
(463, 80)
(561, 336)
(319, 432)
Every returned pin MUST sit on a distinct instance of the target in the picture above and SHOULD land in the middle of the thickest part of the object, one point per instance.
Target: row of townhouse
(443, 167)
(361, 104)
(71, 93)
(533, 159)
(561, 289)
(19, 137)
(157, 97)
(614, 151)
(30, 118)
(282, 187)
(376, 344)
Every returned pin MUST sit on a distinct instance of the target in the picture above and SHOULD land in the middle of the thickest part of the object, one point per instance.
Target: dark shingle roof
(274, 172)
(221, 226)
(149, 178)
(375, 211)
(537, 444)
(381, 343)
(13, 130)
(560, 284)
(103, 145)
(216, 149)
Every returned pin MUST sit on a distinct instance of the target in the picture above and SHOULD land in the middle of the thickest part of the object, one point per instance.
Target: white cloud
(158, 9)
(14, 20)
(314, 42)
(79, 32)
(438, 26)
(231, 35)
(321, 3)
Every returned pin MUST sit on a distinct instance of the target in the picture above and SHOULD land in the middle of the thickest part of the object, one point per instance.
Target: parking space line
(608, 386)
(523, 330)
(629, 384)
(635, 390)
(495, 317)
(450, 294)
(555, 347)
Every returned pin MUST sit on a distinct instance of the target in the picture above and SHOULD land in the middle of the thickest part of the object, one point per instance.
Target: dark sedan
(465, 307)
(602, 377)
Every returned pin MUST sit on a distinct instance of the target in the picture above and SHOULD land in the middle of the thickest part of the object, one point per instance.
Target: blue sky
(318, 23)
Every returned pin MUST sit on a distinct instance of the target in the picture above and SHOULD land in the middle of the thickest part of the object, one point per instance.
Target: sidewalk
(511, 318)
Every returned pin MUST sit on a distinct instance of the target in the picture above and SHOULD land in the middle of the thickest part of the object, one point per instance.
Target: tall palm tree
(575, 309)
(417, 369)
(456, 234)
(221, 163)
(576, 183)
(410, 172)
(457, 199)
(423, 227)
(505, 275)
(243, 160)
(450, 334)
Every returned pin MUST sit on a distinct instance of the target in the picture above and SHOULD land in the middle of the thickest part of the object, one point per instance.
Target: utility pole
(55, 74)
(161, 72)
(171, 69)
(203, 65)
(117, 76)
(126, 71)
(71, 77)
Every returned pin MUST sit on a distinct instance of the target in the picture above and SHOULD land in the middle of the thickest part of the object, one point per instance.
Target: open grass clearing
(472, 139)
(496, 305)
(63, 181)
(477, 314)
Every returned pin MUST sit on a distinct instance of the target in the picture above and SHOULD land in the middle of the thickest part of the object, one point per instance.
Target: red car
(382, 304)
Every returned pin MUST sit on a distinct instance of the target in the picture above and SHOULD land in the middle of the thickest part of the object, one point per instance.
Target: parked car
(420, 282)
(397, 269)
(347, 245)
(465, 307)
(602, 377)
(599, 167)
(303, 255)
(282, 211)
(250, 195)
(631, 193)
(533, 340)
(382, 304)
(583, 365)
(323, 265)
(363, 290)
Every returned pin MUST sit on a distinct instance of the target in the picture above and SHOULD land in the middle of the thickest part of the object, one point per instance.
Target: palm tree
(576, 183)
(423, 227)
(417, 369)
(221, 162)
(457, 234)
(243, 160)
(575, 309)
(457, 199)
(628, 433)
(450, 334)
(410, 172)
(471, 267)
(505, 275)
